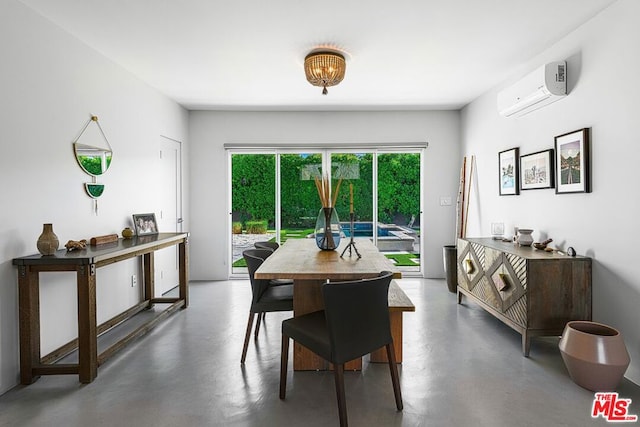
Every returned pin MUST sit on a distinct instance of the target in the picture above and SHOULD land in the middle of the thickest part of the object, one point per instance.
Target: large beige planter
(595, 355)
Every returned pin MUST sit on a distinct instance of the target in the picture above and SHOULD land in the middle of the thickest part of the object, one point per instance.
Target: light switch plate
(445, 200)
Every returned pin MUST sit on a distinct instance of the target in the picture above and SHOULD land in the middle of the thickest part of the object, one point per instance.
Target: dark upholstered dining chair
(272, 246)
(266, 245)
(264, 295)
(355, 322)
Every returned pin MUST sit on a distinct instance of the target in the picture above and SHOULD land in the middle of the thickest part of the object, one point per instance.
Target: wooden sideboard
(534, 292)
(84, 263)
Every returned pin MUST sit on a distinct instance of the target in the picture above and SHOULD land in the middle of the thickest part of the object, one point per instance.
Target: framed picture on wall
(145, 224)
(508, 172)
(536, 170)
(572, 162)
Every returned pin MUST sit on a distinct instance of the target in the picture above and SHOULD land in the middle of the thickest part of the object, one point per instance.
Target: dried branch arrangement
(324, 191)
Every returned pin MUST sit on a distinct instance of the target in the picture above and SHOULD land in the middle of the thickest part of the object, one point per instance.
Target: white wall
(603, 70)
(209, 130)
(50, 84)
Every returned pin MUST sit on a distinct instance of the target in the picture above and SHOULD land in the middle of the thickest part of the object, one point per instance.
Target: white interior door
(169, 217)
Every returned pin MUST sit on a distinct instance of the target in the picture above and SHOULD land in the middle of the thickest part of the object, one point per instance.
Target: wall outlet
(134, 281)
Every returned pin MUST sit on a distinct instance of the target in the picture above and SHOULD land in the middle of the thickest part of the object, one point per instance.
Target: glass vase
(328, 229)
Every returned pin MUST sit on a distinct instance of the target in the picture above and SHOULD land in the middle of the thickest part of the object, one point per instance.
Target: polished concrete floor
(461, 368)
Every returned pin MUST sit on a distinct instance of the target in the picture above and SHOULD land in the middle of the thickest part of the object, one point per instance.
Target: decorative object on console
(524, 236)
(497, 230)
(101, 240)
(536, 170)
(48, 242)
(94, 160)
(324, 67)
(328, 229)
(127, 233)
(542, 245)
(571, 251)
(572, 162)
(595, 355)
(508, 171)
(73, 245)
(145, 224)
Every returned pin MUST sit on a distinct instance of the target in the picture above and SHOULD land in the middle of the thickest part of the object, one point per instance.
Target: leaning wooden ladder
(464, 194)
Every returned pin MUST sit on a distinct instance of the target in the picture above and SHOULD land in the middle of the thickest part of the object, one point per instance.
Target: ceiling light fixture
(324, 69)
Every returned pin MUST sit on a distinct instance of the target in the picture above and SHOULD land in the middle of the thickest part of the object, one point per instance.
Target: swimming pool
(365, 229)
(360, 229)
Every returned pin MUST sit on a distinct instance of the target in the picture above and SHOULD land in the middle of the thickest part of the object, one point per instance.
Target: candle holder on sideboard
(352, 245)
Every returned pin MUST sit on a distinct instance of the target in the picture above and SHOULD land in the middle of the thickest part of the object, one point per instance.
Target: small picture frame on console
(145, 224)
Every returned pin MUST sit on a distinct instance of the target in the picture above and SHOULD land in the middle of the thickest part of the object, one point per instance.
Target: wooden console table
(532, 291)
(84, 263)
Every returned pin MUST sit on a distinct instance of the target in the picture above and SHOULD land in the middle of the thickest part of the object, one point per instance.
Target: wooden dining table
(310, 267)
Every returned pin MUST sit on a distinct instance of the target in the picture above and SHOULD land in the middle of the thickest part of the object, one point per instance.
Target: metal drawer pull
(504, 279)
(468, 266)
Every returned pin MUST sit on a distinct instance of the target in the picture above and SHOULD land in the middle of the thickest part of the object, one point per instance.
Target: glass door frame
(422, 152)
(375, 153)
(277, 152)
(229, 234)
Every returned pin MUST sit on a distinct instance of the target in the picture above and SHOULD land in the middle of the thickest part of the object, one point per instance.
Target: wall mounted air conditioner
(543, 86)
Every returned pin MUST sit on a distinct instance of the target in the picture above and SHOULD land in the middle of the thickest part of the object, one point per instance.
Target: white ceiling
(248, 54)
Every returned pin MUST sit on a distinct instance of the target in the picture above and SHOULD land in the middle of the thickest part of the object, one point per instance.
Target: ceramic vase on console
(328, 229)
(524, 236)
(595, 355)
(48, 242)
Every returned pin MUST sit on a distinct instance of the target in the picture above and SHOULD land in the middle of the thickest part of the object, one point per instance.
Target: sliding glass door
(274, 197)
(398, 206)
(386, 201)
(253, 203)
